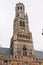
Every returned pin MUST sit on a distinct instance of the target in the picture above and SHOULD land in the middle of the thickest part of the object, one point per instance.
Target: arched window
(24, 48)
(22, 23)
(26, 63)
(6, 62)
(24, 51)
(39, 63)
(20, 8)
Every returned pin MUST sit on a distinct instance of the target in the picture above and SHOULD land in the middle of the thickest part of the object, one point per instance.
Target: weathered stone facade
(21, 50)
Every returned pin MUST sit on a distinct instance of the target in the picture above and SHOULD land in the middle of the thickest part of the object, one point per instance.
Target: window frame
(22, 23)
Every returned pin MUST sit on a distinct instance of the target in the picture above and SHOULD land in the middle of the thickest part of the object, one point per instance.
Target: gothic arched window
(26, 63)
(24, 51)
(24, 48)
(18, 8)
(22, 23)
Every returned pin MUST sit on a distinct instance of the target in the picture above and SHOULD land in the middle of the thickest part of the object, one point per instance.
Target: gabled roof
(5, 51)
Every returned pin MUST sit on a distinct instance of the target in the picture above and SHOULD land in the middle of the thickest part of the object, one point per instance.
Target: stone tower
(21, 41)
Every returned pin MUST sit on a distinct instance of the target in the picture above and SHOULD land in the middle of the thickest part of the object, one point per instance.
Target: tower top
(20, 8)
(20, 4)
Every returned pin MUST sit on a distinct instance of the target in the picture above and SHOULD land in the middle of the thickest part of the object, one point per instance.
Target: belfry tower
(21, 42)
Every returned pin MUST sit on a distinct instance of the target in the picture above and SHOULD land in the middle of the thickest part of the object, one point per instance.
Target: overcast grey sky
(34, 9)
